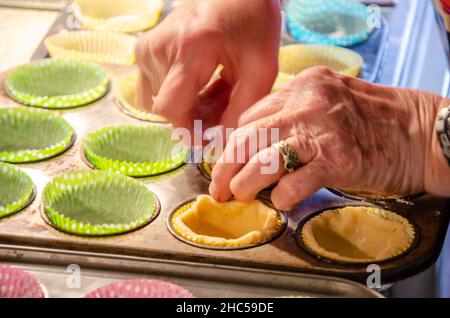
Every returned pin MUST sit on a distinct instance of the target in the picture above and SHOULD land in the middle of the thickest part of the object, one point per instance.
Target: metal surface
(154, 241)
(203, 280)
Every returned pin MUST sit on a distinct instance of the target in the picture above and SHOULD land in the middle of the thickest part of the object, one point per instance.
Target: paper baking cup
(356, 234)
(200, 239)
(93, 46)
(125, 16)
(15, 283)
(54, 83)
(29, 135)
(293, 59)
(332, 22)
(127, 100)
(98, 203)
(140, 288)
(16, 190)
(134, 150)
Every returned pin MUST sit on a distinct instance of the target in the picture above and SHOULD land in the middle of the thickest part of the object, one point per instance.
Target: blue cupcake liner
(305, 19)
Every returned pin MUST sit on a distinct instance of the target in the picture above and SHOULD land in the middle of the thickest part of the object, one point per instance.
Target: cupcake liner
(140, 288)
(92, 46)
(332, 22)
(137, 151)
(98, 203)
(356, 235)
(270, 228)
(16, 190)
(30, 135)
(124, 16)
(294, 59)
(54, 83)
(15, 283)
(127, 100)
(366, 196)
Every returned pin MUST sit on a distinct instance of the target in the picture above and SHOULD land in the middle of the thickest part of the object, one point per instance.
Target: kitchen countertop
(23, 28)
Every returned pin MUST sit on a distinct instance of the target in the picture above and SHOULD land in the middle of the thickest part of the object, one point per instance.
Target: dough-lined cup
(374, 197)
(30, 135)
(356, 234)
(206, 223)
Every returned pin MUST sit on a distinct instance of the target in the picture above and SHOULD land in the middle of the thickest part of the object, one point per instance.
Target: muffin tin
(340, 227)
(282, 224)
(430, 215)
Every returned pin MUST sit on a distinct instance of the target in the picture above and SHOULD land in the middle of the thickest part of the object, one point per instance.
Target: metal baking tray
(28, 228)
(53, 269)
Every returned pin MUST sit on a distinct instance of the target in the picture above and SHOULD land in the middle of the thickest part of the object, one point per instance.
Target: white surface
(21, 32)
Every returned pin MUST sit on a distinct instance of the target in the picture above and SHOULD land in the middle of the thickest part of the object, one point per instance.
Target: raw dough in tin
(358, 234)
(230, 224)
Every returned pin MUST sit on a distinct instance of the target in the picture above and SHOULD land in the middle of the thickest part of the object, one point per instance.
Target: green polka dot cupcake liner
(98, 203)
(16, 190)
(57, 83)
(331, 22)
(134, 150)
(30, 135)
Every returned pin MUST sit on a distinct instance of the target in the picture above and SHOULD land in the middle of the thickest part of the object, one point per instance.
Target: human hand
(349, 134)
(178, 58)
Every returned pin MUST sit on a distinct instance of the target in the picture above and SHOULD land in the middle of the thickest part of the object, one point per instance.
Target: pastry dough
(358, 234)
(230, 224)
(373, 195)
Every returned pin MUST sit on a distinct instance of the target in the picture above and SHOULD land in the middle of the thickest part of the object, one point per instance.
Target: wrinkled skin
(178, 59)
(349, 134)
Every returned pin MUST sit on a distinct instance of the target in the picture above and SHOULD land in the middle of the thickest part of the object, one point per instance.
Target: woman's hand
(349, 134)
(179, 57)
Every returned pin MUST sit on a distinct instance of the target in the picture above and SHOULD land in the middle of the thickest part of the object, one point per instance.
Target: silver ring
(290, 156)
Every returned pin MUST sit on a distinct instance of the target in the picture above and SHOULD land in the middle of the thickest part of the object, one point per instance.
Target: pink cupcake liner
(140, 288)
(15, 283)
